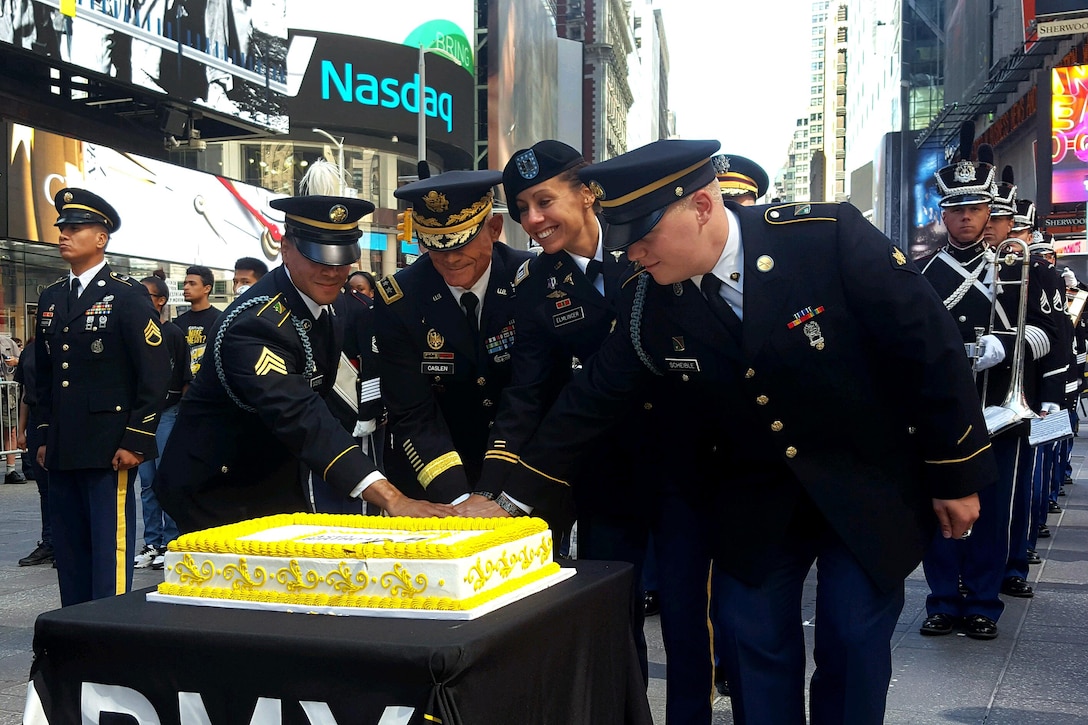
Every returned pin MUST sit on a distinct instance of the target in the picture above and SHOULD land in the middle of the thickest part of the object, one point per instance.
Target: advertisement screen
(211, 220)
(1044, 8)
(365, 86)
(1069, 134)
(447, 27)
(225, 55)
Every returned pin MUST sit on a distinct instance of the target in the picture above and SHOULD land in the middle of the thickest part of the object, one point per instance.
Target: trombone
(1014, 408)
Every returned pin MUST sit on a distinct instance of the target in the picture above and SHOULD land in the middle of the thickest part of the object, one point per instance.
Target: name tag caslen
(436, 368)
(687, 365)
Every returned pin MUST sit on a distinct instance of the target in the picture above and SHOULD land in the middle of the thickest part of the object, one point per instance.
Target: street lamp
(339, 154)
(421, 164)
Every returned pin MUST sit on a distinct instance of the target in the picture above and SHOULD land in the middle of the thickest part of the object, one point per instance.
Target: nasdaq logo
(370, 90)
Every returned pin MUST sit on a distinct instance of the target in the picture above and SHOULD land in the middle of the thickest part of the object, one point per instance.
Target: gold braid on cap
(461, 226)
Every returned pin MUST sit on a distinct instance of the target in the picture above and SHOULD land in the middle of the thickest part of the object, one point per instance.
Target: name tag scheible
(683, 364)
(565, 318)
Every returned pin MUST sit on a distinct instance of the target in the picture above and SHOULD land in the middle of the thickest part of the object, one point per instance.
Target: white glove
(1070, 278)
(992, 353)
(1049, 408)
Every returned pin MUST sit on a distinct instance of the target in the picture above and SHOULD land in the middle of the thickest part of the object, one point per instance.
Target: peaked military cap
(535, 165)
(325, 229)
(79, 206)
(635, 188)
(449, 209)
(1024, 218)
(738, 176)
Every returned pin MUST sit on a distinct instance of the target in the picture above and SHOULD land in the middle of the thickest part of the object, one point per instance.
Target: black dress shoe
(1044, 531)
(1054, 508)
(1068, 481)
(1061, 491)
(15, 476)
(1033, 557)
(1017, 586)
(979, 627)
(650, 604)
(43, 554)
(937, 624)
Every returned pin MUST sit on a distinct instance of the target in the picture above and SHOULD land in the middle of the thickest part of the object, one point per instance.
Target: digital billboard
(167, 212)
(447, 27)
(225, 55)
(366, 86)
(1045, 8)
(1069, 134)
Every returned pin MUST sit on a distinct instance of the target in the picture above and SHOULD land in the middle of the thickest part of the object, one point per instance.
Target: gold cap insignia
(436, 201)
(764, 264)
(435, 341)
(68, 197)
(679, 191)
(338, 213)
(597, 189)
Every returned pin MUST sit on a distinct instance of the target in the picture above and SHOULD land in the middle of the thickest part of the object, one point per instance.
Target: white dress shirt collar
(86, 277)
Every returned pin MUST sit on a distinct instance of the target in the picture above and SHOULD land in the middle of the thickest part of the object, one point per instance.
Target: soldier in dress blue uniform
(961, 272)
(829, 377)
(102, 372)
(445, 332)
(740, 179)
(256, 409)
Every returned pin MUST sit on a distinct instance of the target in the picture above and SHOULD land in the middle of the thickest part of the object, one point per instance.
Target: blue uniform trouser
(159, 528)
(683, 567)
(1044, 472)
(94, 535)
(1023, 527)
(1062, 449)
(764, 653)
(979, 560)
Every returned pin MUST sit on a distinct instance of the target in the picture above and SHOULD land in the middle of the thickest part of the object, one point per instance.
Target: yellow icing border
(228, 539)
(302, 599)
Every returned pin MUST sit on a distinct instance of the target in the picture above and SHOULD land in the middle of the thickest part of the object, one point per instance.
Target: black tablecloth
(562, 656)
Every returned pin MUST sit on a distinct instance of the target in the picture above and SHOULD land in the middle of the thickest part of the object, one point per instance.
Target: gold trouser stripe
(541, 473)
(965, 434)
(333, 461)
(710, 626)
(121, 552)
(961, 460)
(438, 466)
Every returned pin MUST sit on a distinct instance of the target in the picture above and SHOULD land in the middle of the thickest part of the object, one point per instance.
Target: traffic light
(404, 225)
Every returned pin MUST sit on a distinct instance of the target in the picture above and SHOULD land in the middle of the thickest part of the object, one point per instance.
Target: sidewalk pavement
(1034, 672)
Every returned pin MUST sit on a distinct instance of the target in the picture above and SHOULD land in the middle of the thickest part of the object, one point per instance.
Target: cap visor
(333, 255)
(622, 236)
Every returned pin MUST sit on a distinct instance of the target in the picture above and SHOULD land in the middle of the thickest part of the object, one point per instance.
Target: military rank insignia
(898, 257)
(152, 334)
(269, 362)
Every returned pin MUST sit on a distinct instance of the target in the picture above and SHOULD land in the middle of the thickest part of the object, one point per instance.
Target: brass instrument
(1014, 408)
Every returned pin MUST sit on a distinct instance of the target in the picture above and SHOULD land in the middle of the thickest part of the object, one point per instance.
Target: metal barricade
(9, 415)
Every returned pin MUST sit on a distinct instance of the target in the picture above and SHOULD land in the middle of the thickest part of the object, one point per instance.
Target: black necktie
(711, 288)
(469, 302)
(593, 269)
(73, 294)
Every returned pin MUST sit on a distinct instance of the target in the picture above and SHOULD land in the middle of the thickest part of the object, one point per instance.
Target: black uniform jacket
(441, 391)
(230, 459)
(561, 319)
(102, 372)
(849, 392)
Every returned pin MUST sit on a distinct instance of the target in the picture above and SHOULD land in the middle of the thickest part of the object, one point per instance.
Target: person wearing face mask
(445, 330)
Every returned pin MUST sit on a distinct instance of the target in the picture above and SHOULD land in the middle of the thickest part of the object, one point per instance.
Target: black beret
(325, 228)
(79, 206)
(449, 209)
(635, 188)
(535, 165)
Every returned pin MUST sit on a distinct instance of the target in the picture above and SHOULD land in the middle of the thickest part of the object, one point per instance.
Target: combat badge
(435, 341)
(97, 347)
(269, 362)
(814, 334)
(152, 334)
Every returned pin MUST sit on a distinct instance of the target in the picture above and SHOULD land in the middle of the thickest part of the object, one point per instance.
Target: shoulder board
(275, 308)
(522, 273)
(799, 212)
(122, 278)
(61, 280)
(389, 289)
(634, 276)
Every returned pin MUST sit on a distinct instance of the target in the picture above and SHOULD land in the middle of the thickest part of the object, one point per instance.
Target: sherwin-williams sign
(359, 85)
